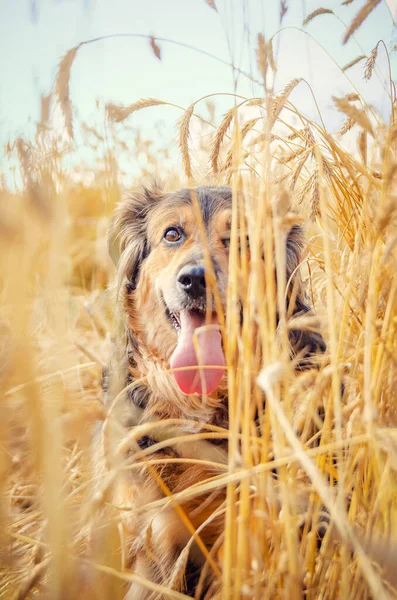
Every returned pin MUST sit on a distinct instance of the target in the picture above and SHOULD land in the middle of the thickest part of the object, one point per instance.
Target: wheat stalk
(45, 101)
(155, 47)
(279, 101)
(351, 97)
(316, 13)
(117, 113)
(184, 134)
(362, 146)
(353, 62)
(270, 55)
(358, 115)
(62, 87)
(359, 18)
(347, 125)
(283, 9)
(295, 154)
(245, 129)
(265, 56)
(218, 138)
(370, 64)
(261, 56)
(211, 3)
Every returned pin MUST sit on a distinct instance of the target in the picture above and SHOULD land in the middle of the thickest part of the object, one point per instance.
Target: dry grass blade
(290, 87)
(362, 146)
(218, 139)
(358, 115)
(255, 102)
(360, 18)
(304, 189)
(353, 62)
(266, 380)
(294, 176)
(296, 134)
(155, 47)
(178, 575)
(292, 155)
(314, 200)
(347, 125)
(283, 9)
(211, 3)
(45, 102)
(33, 578)
(310, 188)
(370, 64)
(310, 139)
(118, 114)
(246, 128)
(184, 134)
(316, 13)
(265, 138)
(24, 156)
(393, 132)
(248, 125)
(351, 97)
(270, 55)
(280, 100)
(261, 56)
(62, 89)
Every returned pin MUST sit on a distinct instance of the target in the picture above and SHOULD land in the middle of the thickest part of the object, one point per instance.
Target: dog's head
(172, 254)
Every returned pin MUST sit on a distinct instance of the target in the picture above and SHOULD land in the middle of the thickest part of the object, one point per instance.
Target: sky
(34, 35)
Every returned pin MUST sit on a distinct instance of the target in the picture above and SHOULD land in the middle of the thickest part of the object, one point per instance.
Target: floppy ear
(127, 239)
(303, 342)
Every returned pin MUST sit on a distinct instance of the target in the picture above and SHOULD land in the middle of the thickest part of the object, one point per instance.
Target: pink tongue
(198, 379)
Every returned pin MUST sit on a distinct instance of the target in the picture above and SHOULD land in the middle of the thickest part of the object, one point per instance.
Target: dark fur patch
(192, 576)
(145, 442)
(210, 200)
(138, 395)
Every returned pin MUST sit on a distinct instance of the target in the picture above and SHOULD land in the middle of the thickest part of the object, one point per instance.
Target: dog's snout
(192, 280)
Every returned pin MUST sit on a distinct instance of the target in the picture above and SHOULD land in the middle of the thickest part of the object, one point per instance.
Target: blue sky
(123, 70)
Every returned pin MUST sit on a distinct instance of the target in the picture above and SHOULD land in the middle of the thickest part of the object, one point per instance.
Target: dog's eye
(172, 235)
(225, 239)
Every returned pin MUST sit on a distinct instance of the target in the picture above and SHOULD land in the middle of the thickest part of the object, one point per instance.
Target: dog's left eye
(172, 235)
(225, 239)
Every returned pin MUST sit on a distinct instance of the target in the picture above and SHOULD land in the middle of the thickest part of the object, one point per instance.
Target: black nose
(192, 280)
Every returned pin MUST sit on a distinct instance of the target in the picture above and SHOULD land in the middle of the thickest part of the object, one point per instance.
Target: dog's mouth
(198, 359)
(174, 319)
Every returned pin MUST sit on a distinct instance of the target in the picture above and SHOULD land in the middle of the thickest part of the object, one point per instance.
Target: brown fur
(146, 407)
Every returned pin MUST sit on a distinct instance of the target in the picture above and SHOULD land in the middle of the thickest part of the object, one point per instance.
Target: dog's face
(172, 253)
(175, 263)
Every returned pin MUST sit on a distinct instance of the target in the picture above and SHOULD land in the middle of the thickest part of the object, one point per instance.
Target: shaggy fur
(148, 414)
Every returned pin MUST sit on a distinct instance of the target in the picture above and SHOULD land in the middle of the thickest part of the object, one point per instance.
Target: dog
(168, 380)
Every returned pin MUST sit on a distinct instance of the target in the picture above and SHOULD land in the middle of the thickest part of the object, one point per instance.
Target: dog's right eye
(225, 239)
(172, 235)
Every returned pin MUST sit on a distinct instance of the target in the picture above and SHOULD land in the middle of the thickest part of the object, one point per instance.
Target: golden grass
(360, 17)
(60, 534)
(316, 13)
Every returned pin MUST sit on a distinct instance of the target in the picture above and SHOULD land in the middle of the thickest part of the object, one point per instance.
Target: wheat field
(60, 534)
